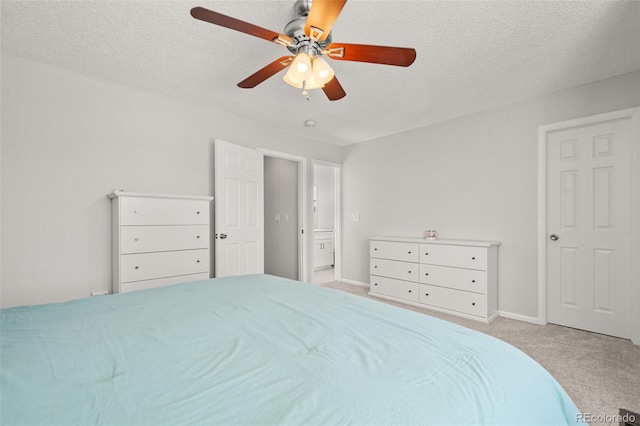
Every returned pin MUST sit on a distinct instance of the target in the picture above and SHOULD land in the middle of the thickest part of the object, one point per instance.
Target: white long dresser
(158, 239)
(453, 276)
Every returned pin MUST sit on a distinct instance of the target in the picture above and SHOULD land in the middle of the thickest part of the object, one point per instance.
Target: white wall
(67, 141)
(473, 177)
(324, 178)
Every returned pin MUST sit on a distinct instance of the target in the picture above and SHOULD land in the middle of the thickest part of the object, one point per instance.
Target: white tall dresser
(158, 239)
(453, 276)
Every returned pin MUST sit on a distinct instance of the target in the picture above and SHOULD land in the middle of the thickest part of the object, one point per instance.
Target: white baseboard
(519, 317)
(358, 283)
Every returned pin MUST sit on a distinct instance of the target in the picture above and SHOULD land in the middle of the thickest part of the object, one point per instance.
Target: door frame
(337, 238)
(634, 115)
(302, 206)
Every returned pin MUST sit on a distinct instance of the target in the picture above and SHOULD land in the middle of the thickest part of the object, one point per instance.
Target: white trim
(635, 225)
(634, 115)
(542, 224)
(338, 216)
(352, 282)
(303, 266)
(519, 317)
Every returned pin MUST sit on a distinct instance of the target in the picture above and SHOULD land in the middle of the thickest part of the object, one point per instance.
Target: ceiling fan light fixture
(306, 75)
(308, 84)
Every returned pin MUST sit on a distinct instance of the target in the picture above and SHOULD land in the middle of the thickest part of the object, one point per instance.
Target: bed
(259, 349)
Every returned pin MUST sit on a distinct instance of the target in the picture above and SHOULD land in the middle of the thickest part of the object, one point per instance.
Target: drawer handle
(376, 284)
(197, 236)
(409, 271)
(409, 291)
(137, 267)
(375, 266)
(473, 258)
(375, 249)
(427, 273)
(473, 304)
(197, 261)
(197, 212)
(409, 252)
(426, 294)
(473, 281)
(426, 254)
(136, 239)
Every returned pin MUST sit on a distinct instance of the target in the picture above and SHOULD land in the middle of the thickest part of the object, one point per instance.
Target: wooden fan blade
(333, 89)
(269, 71)
(216, 18)
(322, 15)
(386, 55)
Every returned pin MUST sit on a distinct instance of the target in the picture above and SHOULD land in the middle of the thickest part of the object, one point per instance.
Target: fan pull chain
(305, 92)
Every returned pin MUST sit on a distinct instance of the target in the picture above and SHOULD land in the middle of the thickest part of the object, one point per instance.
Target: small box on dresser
(459, 277)
(158, 239)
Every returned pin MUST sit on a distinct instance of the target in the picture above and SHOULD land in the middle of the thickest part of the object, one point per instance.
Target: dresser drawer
(407, 252)
(394, 288)
(143, 239)
(163, 211)
(394, 269)
(461, 279)
(161, 282)
(452, 255)
(455, 300)
(146, 266)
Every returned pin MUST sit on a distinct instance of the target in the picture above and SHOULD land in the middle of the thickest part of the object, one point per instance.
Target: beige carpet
(600, 373)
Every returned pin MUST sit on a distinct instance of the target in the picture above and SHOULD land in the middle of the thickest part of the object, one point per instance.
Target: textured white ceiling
(471, 55)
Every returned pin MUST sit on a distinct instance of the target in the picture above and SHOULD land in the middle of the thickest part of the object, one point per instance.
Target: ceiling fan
(308, 38)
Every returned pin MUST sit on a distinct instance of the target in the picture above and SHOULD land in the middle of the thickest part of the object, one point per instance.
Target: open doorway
(284, 215)
(325, 222)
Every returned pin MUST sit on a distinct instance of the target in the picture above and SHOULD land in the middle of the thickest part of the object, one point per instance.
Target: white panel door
(588, 227)
(239, 218)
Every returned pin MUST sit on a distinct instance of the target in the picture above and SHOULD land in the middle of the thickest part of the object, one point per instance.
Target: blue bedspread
(261, 350)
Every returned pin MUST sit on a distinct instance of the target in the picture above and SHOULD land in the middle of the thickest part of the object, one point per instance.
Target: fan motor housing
(295, 30)
(303, 7)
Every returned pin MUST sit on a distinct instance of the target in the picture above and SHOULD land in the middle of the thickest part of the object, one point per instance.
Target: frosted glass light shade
(299, 70)
(322, 72)
(311, 82)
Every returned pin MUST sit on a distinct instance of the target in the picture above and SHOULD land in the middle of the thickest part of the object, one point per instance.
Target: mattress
(259, 349)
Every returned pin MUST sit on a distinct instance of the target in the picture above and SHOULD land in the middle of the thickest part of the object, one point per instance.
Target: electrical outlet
(99, 293)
